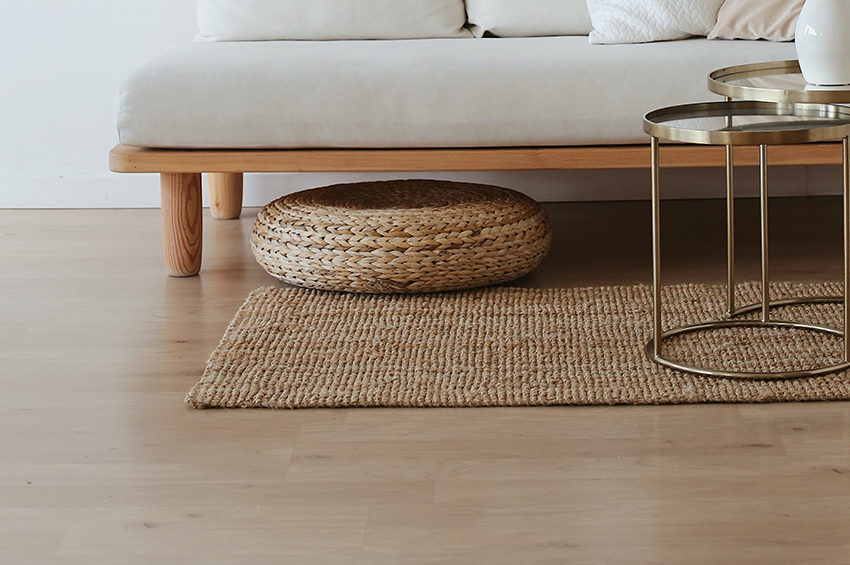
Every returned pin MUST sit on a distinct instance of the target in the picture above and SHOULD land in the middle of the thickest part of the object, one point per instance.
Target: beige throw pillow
(773, 20)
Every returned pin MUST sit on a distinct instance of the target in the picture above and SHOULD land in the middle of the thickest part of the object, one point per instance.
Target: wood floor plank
(157, 534)
(482, 493)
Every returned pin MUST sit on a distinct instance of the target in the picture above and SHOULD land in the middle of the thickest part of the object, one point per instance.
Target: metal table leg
(656, 250)
(765, 275)
(730, 231)
(730, 224)
(846, 167)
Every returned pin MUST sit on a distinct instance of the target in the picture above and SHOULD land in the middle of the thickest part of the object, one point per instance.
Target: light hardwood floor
(101, 462)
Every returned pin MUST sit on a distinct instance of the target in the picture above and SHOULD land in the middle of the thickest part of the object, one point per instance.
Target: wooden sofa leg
(182, 223)
(225, 195)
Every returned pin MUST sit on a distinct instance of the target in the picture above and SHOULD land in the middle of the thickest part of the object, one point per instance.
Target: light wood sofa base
(181, 169)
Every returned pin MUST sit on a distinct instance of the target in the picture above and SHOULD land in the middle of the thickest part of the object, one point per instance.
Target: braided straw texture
(401, 236)
(295, 348)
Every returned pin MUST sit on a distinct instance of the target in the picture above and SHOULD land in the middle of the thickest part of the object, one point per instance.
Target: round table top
(775, 81)
(749, 123)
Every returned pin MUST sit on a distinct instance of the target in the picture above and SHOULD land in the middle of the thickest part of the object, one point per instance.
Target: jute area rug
(293, 348)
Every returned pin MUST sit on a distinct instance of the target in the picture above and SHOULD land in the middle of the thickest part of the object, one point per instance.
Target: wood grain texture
(127, 159)
(182, 222)
(102, 463)
(225, 192)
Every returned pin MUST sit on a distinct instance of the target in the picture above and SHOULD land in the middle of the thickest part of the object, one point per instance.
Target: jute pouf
(401, 236)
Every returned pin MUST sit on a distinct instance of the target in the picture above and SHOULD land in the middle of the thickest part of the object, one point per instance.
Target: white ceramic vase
(823, 41)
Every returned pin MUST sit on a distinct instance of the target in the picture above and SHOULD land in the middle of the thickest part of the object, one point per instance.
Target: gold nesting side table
(773, 81)
(760, 124)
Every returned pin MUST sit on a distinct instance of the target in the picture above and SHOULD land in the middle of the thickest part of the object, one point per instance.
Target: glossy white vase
(823, 41)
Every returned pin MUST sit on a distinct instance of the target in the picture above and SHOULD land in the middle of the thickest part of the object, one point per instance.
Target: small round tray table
(775, 81)
(747, 123)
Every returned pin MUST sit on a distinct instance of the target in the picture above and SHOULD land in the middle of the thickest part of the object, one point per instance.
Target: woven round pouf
(401, 236)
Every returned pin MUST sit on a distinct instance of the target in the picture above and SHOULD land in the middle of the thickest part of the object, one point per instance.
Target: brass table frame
(762, 135)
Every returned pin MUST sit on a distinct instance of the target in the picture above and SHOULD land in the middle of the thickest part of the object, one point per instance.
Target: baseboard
(90, 191)
(142, 190)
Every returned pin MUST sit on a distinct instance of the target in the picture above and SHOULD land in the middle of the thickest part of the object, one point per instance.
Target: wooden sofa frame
(180, 173)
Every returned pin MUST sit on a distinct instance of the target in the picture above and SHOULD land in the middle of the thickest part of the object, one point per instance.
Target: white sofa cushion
(641, 21)
(258, 20)
(528, 18)
(418, 93)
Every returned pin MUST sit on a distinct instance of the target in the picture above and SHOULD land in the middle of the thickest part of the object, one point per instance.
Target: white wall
(61, 61)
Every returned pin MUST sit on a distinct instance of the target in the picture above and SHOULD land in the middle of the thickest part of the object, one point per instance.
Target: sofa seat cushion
(417, 93)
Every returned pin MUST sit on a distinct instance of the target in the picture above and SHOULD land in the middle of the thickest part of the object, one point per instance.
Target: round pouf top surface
(401, 236)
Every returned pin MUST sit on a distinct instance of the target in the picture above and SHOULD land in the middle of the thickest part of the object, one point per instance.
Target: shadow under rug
(501, 346)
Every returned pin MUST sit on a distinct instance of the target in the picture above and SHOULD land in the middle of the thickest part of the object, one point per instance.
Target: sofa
(240, 99)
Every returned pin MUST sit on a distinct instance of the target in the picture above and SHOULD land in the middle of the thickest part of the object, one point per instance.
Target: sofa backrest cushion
(261, 20)
(528, 18)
